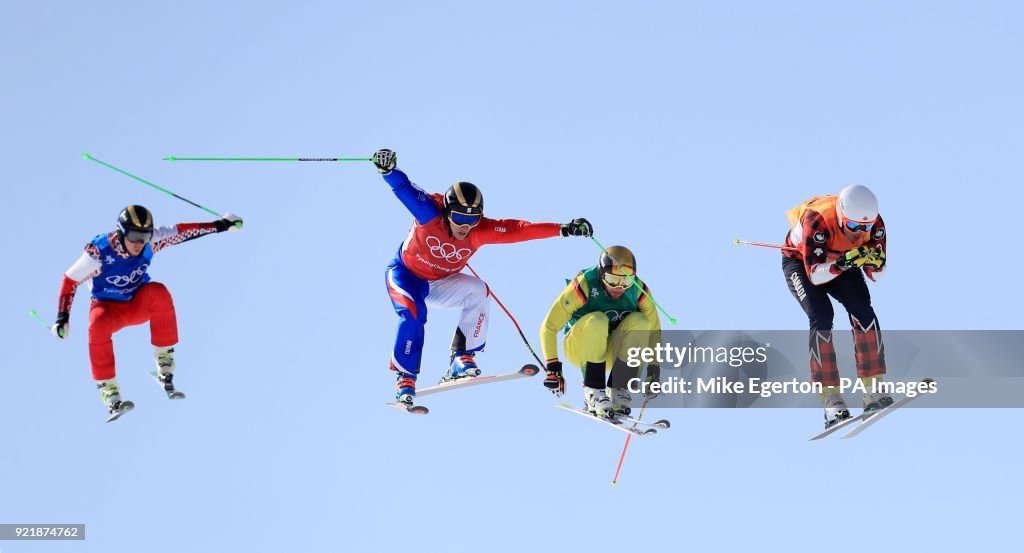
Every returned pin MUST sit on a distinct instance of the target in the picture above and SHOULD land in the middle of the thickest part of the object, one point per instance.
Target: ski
(412, 409)
(122, 409)
(663, 423)
(837, 426)
(876, 416)
(609, 422)
(526, 371)
(172, 393)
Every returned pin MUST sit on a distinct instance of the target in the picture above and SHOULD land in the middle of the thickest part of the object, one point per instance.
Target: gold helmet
(617, 267)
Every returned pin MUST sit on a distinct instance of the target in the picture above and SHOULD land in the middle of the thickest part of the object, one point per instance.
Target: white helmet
(857, 203)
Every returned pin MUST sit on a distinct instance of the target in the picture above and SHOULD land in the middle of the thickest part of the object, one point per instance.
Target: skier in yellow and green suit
(604, 314)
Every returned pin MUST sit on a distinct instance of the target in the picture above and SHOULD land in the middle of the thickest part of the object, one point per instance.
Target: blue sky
(673, 127)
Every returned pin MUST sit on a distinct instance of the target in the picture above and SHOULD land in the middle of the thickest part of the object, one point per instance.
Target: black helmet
(464, 198)
(135, 223)
(614, 264)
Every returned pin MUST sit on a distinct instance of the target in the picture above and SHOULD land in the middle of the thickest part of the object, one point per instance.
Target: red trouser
(151, 303)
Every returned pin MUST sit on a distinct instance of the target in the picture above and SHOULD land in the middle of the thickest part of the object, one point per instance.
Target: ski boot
(835, 409)
(405, 389)
(164, 374)
(462, 366)
(110, 393)
(596, 402)
(876, 401)
(622, 402)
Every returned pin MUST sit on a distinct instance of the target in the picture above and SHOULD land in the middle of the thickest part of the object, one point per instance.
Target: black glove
(228, 221)
(855, 258)
(385, 160)
(60, 328)
(578, 227)
(554, 380)
(653, 375)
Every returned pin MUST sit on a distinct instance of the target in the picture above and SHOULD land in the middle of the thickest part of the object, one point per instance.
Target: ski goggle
(138, 235)
(464, 220)
(854, 226)
(617, 281)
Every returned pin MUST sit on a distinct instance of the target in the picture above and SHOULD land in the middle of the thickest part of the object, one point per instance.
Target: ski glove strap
(578, 227)
(554, 380)
(385, 160)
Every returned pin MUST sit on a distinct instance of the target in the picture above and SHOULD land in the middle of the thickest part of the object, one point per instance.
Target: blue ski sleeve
(412, 197)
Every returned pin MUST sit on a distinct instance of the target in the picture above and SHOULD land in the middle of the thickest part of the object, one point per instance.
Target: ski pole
(144, 181)
(635, 283)
(521, 335)
(625, 447)
(763, 245)
(172, 158)
(32, 313)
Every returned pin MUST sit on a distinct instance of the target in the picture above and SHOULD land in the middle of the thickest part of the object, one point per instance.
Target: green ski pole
(671, 319)
(172, 158)
(144, 181)
(36, 316)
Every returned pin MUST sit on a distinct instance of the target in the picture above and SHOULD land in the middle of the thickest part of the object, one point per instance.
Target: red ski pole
(763, 245)
(514, 322)
(625, 447)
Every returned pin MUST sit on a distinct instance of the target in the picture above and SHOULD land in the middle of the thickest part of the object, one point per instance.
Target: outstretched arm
(418, 202)
(164, 237)
(507, 231)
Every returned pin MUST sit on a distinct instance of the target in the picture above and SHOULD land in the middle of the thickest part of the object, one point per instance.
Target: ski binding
(172, 393)
(526, 371)
(610, 422)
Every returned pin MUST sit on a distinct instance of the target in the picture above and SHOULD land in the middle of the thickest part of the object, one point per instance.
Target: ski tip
(613, 483)
(529, 370)
(170, 158)
(413, 409)
(86, 156)
(663, 424)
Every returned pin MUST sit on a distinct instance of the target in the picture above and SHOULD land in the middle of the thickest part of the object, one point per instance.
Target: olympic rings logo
(446, 251)
(125, 280)
(615, 316)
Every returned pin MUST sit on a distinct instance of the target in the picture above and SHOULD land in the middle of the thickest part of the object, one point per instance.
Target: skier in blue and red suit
(426, 271)
(115, 268)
